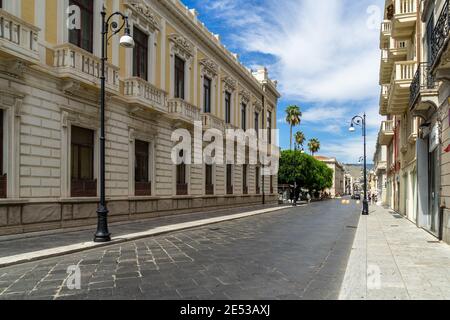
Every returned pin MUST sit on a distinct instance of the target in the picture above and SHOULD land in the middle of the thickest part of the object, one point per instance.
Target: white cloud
(324, 49)
(322, 113)
(325, 55)
(349, 150)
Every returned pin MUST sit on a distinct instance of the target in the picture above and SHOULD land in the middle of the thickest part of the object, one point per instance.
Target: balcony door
(227, 107)
(140, 52)
(179, 77)
(84, 36)
(207, 95)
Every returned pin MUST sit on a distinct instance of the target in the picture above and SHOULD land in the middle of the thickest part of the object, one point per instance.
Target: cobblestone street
(298, 253)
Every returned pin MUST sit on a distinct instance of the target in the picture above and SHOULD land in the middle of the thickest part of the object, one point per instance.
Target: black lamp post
(102, 234)
(361, 121)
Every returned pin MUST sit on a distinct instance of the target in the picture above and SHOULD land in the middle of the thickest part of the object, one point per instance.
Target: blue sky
(324, 53)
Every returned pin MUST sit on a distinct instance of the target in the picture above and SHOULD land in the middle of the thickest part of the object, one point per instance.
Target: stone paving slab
(296, 253)
(28, 249)
(394, 259)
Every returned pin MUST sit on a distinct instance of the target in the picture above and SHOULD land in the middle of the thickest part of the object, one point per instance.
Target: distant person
(308, 197)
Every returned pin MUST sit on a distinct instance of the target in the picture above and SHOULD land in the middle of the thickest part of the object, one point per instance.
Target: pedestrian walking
(308, 197)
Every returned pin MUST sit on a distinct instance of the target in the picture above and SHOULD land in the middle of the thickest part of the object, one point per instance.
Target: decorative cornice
(257, 104)
(181, 46)
(209, 67)
(244, 95)
(146, 12)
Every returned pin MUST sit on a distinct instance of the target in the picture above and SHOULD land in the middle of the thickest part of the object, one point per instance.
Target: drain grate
(352, 227)
(395, 226)
(435, 241)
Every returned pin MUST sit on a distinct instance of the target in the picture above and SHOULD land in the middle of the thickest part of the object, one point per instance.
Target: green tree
(309, 173)
(293, 118)
(314, 146)
(299, 139)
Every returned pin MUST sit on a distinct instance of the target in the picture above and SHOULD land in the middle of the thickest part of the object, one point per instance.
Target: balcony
(398, 50)
(212, 122)
(386, 132)
(384, 94)
(439, 44)
(423, 92)
(18, 39)
(385, 67)
(380, 166)
(141, 93)
(404, 19)
(184, 111)
(75, 64)
(399, 91)
(385, 34)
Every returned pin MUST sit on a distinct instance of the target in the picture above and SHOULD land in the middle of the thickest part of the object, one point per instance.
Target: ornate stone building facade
(178, 73)
(414, 98)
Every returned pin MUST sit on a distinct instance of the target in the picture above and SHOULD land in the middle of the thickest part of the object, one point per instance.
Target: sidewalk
(37, 247)
(393, 259)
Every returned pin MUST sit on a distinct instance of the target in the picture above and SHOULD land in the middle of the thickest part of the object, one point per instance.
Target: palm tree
(293, 118)
(299, 139)
(314, 146)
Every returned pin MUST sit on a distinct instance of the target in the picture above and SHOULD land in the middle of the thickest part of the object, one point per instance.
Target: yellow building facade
(177, 74)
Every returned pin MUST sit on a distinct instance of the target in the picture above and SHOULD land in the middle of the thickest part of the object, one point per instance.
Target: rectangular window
(269, 127)
(258, 179)
(3, 181)
(229, 179)
(143, 185)
(82, 149)
(182, 186)
(83, 37)
(244, 116)
(140, 61)
(227, 107)
(271, 184)
(207, 95)
(209, 186)
(244, 179)
(179, 77)
(257, 124)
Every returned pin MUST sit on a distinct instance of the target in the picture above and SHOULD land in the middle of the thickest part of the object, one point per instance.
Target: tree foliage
(314, 145)
(293, 118)
(308, 172)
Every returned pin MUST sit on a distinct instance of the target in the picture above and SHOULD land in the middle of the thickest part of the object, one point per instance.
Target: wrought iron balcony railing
(440, 33)
(423, 80)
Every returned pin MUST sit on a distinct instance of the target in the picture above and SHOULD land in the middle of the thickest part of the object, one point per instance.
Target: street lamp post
(103, 234)
(361, 121)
